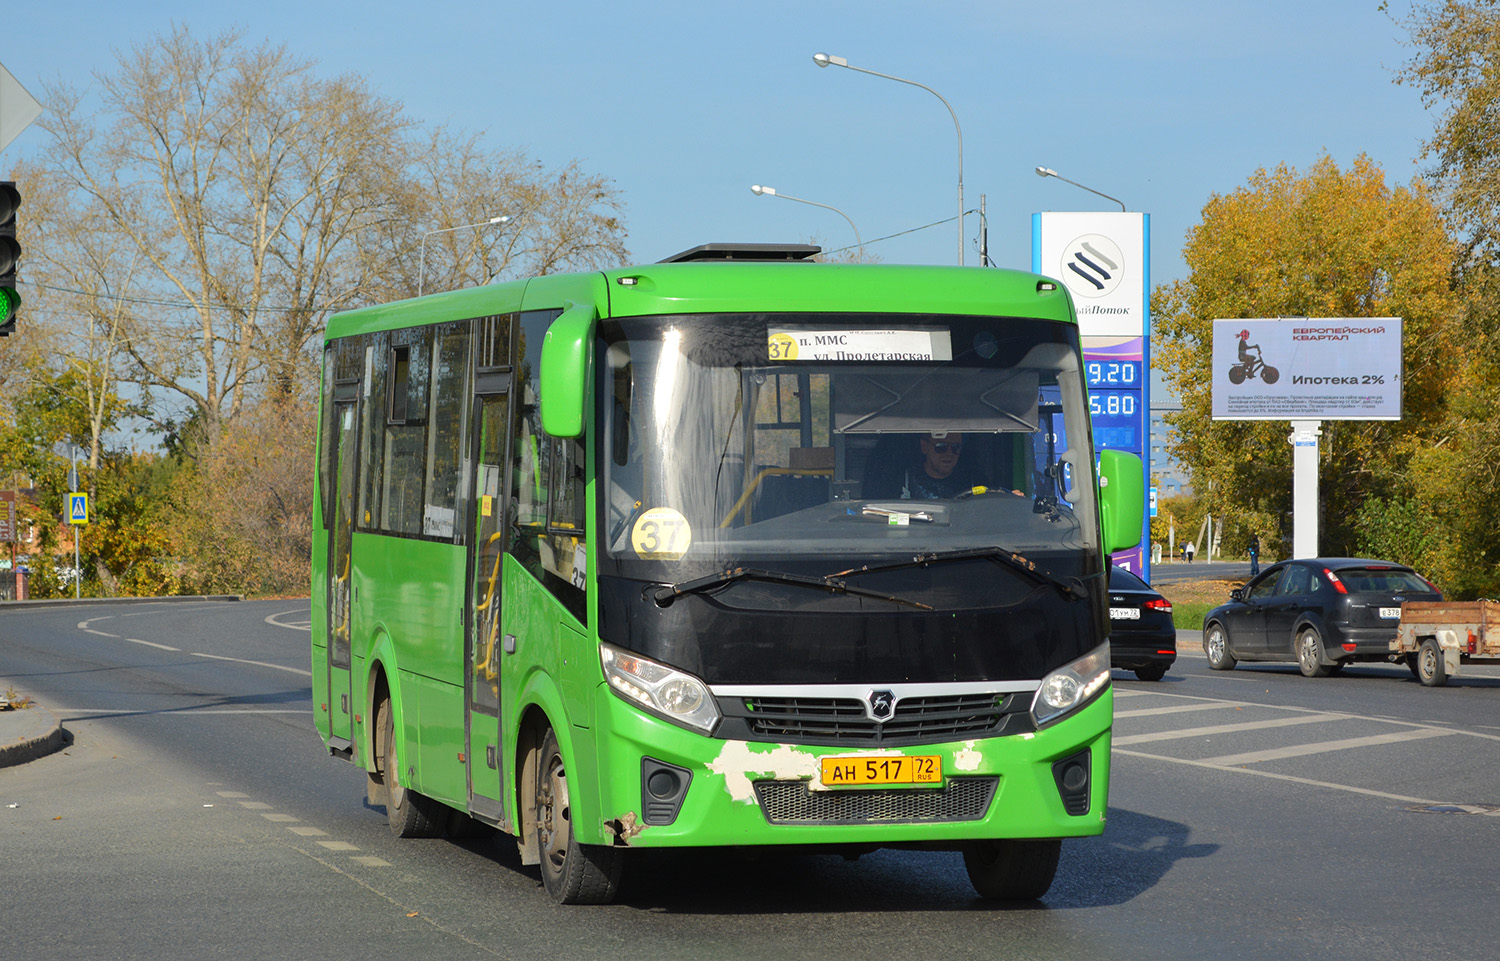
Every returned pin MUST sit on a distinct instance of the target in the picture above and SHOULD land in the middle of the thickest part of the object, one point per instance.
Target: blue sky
(686, 104)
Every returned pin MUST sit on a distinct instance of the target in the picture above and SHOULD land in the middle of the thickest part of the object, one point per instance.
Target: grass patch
(1193, 599)
(1189, 617)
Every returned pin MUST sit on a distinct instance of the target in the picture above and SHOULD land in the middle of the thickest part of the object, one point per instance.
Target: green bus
(667, 556)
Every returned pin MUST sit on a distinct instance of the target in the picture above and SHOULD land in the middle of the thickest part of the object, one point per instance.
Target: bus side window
(377, 354)
(549, 483)
(447, 427)
(568, 501)
(405, 449)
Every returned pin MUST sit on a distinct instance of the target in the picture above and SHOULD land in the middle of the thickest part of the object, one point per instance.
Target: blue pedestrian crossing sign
(78, 508)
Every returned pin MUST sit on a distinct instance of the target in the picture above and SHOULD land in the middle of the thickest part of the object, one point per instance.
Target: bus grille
(843, 720)
(961, 799)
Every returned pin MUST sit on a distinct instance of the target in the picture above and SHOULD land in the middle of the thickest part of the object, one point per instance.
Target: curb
(29, 733)
(85, 601)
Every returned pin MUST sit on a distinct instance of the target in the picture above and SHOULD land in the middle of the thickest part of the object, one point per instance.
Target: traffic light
(10, 256)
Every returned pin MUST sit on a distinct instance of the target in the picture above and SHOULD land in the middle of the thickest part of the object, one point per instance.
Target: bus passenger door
(340, 580)
(484, 644)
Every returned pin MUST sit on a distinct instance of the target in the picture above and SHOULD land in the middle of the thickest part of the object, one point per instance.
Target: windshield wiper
(832, 582)
(1071, 588)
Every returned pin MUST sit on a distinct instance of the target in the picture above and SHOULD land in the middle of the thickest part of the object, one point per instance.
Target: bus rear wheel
(411, 814)
(573, 873)
(1012, 870)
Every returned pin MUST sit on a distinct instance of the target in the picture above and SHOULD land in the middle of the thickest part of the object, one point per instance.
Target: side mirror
(1122, 499)
(1237, 594)
(565, 371)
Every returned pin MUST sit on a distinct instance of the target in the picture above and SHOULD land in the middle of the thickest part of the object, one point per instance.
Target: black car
(1322, 612)
(1142, 637)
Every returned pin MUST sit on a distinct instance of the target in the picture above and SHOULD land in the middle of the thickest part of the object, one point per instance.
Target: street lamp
(1049, 172)
(760, 191)
(422, 261)
(824, 60)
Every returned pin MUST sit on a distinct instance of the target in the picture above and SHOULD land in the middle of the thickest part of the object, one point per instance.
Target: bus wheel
(573, 873)
(1012, 870)
(411, 814)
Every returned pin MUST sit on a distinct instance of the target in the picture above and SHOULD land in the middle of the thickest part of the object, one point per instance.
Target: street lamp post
(824, 60)
(422, 261)
(1049, 172)
(761, 191)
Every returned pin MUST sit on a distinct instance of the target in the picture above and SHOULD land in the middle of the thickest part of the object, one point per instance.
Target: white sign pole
(1304, 440)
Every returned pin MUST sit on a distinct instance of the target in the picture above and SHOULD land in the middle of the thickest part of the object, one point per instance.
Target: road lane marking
(1322, 747)
(1275, 776)
(338, 845)
(163, 647)
(1182, 708)
(241, 660)
(294, 824)
(409, 910)
(304, 623)
(186, 711)
(1230, 728)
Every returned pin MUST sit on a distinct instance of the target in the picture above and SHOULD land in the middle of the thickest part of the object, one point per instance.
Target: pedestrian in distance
(1190, 550)
(1254, 555)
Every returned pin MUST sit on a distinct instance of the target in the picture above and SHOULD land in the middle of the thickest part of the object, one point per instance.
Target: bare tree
(233, 174)
(76, 316)
(558, 220)
(255, 197)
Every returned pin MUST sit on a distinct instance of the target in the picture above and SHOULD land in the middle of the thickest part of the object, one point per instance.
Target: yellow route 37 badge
(782, 346)
(661, 534)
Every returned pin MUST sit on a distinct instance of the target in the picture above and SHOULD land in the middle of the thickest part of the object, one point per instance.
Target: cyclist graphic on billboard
(1250, 364)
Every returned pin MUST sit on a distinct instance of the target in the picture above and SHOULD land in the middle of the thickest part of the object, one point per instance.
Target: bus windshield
(810, 441)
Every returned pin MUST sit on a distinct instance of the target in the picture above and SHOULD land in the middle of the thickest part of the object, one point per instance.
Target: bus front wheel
(1012, 870)
(573, 873)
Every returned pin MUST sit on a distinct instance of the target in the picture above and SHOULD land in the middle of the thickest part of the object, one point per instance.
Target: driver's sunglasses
(943, 448)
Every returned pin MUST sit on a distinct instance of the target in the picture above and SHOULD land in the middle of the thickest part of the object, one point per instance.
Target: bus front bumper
(661, 785)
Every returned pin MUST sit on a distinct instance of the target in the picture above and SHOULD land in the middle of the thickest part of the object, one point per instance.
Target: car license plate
(1390, 612)
(886, 769)
(1124, 613)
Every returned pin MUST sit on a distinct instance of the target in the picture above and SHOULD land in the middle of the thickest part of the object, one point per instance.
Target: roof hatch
(754, 252)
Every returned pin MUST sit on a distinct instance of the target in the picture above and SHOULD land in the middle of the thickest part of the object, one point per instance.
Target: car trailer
(1435, 637)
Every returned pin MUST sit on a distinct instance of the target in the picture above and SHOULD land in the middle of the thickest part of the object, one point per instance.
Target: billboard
(1104, 260)
(1326, 368)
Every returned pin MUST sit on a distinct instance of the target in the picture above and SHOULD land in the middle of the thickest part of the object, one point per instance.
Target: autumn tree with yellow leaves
(1325, 242)
(1451, 505)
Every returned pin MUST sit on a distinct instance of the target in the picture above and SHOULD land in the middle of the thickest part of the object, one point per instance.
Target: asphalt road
(1254, 814)
(1177, 571)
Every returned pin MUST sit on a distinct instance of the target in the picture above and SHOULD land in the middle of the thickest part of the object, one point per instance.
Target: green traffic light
(10, 305)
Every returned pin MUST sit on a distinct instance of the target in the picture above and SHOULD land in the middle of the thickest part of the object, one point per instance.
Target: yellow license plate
(888, 769)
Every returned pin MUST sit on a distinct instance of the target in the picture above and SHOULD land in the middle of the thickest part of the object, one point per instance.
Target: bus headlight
(1071, 686)
(664, 691)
